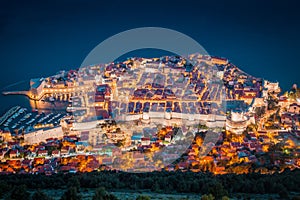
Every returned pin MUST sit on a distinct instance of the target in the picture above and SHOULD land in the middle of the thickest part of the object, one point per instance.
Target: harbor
(20, 120)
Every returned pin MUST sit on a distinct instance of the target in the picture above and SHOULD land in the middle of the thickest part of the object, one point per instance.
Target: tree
(142, 197)
(282, 192)
(155, 187)
(121, 143)
(225, 198)
(102, 194)
(38, 195)
(71, 194)
(4, 187)
(74, 182)
(217, 190)
(260, 187)
(99, 194)
(19, 192)
(207, 197)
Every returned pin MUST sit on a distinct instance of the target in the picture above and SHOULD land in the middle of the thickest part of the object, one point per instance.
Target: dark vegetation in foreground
(12, 186)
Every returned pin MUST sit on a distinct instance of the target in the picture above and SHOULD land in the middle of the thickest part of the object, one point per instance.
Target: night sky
(39, 38)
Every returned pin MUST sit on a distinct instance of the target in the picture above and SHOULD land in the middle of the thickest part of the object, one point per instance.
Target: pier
(26, 93)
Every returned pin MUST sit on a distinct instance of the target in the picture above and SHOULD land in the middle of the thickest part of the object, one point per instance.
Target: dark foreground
(155, 185)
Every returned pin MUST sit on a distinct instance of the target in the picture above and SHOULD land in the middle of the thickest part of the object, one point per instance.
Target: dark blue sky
(38, 38)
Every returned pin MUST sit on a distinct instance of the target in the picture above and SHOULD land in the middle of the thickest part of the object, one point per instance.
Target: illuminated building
(237, 122)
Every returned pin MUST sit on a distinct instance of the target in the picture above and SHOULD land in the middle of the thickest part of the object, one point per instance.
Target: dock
(9, 113)
(26, 93)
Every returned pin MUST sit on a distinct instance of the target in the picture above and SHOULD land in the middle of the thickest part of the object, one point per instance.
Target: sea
(8, 101)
